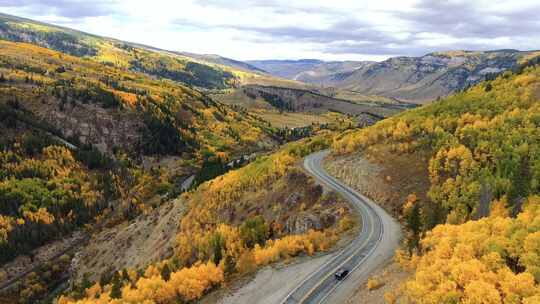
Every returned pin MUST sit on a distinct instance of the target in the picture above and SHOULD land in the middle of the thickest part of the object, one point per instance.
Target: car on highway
(341, 274)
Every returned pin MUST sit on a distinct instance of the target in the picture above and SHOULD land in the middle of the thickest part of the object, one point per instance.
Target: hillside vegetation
(492, 260)
(112, 108)
(49, 190)
(207, 73)
(483, 160)
(44, 193)
(84, 130)
(73, 137)
(257, 215)
(192, 71)
(264, 212)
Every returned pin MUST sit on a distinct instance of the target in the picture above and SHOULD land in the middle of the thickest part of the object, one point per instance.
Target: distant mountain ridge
(413, 79)
(425, 78)
(306, 70)
(410, 79)
(217, 59)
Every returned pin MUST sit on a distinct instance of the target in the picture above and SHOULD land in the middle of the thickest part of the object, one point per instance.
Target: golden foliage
(475, 262)
(33, 77)
(478, 138)
(186, 284)
(211, 247)
(374, 283)
(42, 194)
(290, 246)
(218, 195)
(483, 145)
(499, 208)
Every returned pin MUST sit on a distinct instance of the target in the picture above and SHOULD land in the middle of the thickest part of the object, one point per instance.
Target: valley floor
(291, 119)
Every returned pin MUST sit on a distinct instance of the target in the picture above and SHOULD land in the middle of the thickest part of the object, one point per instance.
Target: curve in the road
(374, 244)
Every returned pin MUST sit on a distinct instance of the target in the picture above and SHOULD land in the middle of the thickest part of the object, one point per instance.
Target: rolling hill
(217, 59)
(113, 108)
(411, 79)
(312, 101)
(209, 72)
(286, 106)
(98, 133)
(98, 137)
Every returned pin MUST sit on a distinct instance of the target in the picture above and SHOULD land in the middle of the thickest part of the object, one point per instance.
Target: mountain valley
(135, 174)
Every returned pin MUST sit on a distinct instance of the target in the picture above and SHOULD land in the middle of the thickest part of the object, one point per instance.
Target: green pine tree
(166, 272)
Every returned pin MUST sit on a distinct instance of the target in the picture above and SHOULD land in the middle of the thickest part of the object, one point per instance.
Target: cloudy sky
(291, 29)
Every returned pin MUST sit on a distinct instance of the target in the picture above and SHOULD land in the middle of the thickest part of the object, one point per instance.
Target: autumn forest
(135, 174)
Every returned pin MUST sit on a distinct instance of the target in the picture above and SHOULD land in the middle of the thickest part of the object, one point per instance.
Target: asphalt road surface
(371, 248)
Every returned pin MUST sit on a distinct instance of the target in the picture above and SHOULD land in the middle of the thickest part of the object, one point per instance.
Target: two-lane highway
(371, 248)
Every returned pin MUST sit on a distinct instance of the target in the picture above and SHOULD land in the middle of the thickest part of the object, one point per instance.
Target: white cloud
(330, 30)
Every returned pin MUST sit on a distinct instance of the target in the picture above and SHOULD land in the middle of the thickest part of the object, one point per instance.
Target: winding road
(371, 248)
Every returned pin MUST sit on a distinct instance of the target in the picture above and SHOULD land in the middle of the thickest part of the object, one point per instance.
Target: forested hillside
(49, 189)
(75, 135)
(111, 108)
(483, 162)
(177, 67)
(45, 192)
(400, 165)
(264, 212)
(84, 133)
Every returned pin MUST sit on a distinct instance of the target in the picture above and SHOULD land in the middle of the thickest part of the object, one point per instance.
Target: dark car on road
(341, 274)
